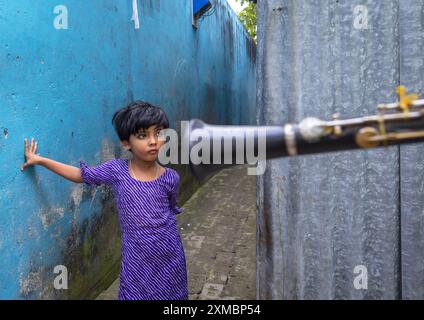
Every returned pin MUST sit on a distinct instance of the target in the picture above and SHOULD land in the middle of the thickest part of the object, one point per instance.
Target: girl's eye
(159, 133)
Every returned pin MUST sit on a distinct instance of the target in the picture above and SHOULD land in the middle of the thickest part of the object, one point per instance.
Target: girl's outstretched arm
(32, 158)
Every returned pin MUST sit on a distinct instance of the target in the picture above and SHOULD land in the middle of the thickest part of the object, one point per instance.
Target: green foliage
(248, 17)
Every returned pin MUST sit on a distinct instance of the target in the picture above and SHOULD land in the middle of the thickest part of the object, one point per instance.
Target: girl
(153, 261)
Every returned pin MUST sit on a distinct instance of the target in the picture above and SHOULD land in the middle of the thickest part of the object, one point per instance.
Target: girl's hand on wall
(31, 157)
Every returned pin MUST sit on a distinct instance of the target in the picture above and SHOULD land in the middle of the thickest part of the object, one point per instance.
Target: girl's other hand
(31, 157)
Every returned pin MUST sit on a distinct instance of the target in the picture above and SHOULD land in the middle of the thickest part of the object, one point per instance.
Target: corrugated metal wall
(321, 216)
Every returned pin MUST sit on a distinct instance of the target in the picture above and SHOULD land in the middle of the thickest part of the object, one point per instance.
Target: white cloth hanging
(135, 15)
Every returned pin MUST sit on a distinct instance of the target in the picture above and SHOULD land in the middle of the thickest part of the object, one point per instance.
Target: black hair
(138, 115)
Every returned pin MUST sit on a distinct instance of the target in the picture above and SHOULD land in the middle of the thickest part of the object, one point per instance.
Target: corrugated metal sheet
(321, 216)
(412, 157)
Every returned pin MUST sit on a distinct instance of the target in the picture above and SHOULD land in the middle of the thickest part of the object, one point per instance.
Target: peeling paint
(32, 232)
(32, 282)
(76, 194)
(51, 215)
(108, 150)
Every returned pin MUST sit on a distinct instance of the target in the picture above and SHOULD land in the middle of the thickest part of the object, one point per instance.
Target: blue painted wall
(63, 86)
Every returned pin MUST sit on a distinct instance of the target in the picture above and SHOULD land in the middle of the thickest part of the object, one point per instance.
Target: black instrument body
(232, 145)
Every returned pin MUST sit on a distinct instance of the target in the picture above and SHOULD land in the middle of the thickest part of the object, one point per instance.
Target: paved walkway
(218, 229)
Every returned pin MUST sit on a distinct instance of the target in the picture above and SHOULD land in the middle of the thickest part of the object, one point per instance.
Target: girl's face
(146, 143)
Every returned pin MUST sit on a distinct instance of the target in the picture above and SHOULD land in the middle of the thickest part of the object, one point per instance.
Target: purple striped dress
(153, 265)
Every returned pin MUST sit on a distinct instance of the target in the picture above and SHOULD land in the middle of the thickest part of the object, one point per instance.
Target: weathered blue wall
(63, 86)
